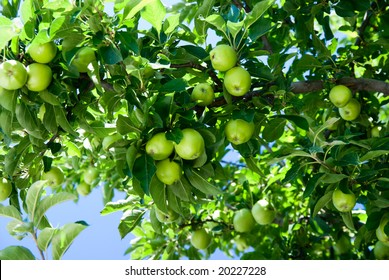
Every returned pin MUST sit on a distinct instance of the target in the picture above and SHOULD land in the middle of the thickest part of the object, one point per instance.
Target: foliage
(148, 59)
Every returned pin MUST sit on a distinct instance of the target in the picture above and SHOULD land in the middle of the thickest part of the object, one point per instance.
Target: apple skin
(239, 131)
(237, 81)
(243, 220)
(43, 53)
(158, 147)
(351, 110)
(5, 189)
(54, 177)
(380, 233)
(90, 175)
(343, 202)
(13, 75)
(168, 172)
(83, 58)
(191, 145)
(166, 218)
(223, 57)
(375, 131)
(203, 93)
(263, 213)
(39, 76)
(340, 95)
(200, 239)
(381, 251)
(83, 189)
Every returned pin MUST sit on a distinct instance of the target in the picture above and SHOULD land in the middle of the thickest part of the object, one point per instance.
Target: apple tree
(257, 128)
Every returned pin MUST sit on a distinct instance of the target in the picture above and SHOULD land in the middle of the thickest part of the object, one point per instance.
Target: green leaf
(120, 205)
(181, 189)
(131, 153)
(373, 154)
(33, 197)
(63, 122)
(144, 170)
(154, 13)
(16, 253)
(27, 120)
(203, 12)
(8, 99)
(348, 159)
(348, 220)
(133, 7)
(312, 184)
(130, 219)
(49, 201)
(64, 238)
(7, 31)
(45, 237)
(201, 183)
(10, 212)
(49, 98)
(158, 193)
(217, 21)
(111, 54)
(322, 202)
(234, 28)
(175, 85)
(253, 166)
(124, 125)
(258, 10)
(171, 23)
(173, 201)
(373, 220)
(274, 130)
(333, 178)
(155, 223)
(13, 156)
(299, 121)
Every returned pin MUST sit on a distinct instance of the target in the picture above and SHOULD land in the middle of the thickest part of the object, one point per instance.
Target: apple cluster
(349, 107)
(261, 213)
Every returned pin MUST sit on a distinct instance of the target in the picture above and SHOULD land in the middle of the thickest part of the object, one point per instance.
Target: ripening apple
(340, 95)
(381, 251)
(90, 175)
(203, 93)
(43, 53)
(13, 75)
(351, 110)
(168, 172)
(5, 189)
(200, 239)
(83, 58)
(343, 202)
(166, 217)
(83, 188)
(380, 231)
(39, 76)
(375, 131)
(237, 81)
(243, 220)
(263, 212)
(54, 177)
(223, 57)
(158, 147)
(191, 145)
(239, 131)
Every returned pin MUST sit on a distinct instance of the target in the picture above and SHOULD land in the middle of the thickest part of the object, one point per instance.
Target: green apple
(83, 188)
(342, 245)
(351, 110)
(263, 212)
(42, 53)
(237, 81)
(5, 189)
(239, 131)
(200, 239)
(380, 231)
(166, 218)
(168, 172)
(158, 147)
(203, 93)
(91, 175)
(340, 95)
(243, 220)
(375, 131)
(39, 76)
(54, 177)
(223, 57)
(191, 145)
(13, 75)
(109, 140)
(83, 58)
(381, 251)
(343, 202)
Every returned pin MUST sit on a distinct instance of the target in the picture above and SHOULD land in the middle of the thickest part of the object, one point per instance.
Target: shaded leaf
(130, 219)
(321, 203)
(64, 238)
(45, 237)
(201, 183)
(274, 130)
(16, 253)
(144, 170)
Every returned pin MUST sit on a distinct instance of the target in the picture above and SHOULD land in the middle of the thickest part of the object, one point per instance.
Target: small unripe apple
(263, 213)
(375, 131)
(239, 131)
(90, 175)
(5, 189)
(340, 95)
(237, 81)
(351, 110)
(203, 93)
(83, 188)
(39, 76)
(169, 217)
(243, 220)
(223, 57)
(380, 231)
(54, 177)
(200, 239)
(83, 58)
(191, 145)
(43, 53)
(343, 202)
(13, 75)
(381, 251)
(158, 147)
(168, 172)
